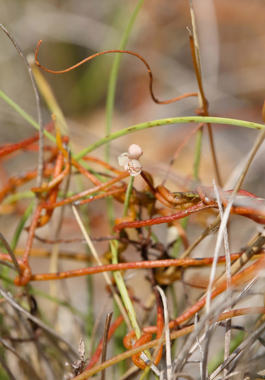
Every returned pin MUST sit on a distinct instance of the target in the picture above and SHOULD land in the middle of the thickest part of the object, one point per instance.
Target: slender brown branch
(195, 50)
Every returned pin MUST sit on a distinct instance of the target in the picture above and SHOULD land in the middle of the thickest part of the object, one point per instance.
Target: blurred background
(232, 41)
(231, 37)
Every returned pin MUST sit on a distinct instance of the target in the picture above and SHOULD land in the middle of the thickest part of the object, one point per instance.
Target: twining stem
(131, 265)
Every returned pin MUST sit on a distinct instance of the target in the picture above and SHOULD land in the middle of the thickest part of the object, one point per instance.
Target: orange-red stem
(132, 265)
(75, 197)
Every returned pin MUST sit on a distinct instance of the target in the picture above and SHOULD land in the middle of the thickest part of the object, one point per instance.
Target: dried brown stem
(202, 99)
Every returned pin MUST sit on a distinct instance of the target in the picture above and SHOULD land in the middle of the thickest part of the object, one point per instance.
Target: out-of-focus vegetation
(231, 40)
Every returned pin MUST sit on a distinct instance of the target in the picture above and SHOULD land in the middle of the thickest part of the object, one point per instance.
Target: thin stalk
(29, 195)
(167, 334)
(197, 156)
(118, 340)
(54, 258)
(141, 265)
(168, 121)
(95, 254)
(18, 196)
(228, 277)
(195, 49)
(137, 127)
(175, 313)
(90, 282)
(123, 291)
(127, 196)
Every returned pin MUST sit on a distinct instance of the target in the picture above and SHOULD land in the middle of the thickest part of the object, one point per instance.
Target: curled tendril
(116, 51)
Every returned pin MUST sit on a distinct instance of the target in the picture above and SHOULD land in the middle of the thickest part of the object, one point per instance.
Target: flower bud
(135, 151)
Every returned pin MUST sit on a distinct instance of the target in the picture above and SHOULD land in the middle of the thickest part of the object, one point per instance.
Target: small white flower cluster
(130, 161)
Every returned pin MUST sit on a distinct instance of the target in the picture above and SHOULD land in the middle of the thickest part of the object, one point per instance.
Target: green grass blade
(114, 75)
(168, 121)
(25, 115)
